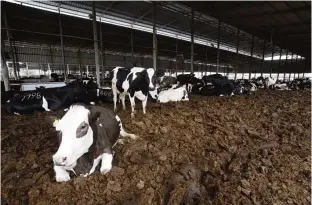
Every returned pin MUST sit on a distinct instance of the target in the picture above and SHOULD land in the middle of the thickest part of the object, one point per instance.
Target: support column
(210, 69)
(5, 71)
(154, 37)
(102, 54)
(263, 53)
(11, 46)
(67, 66)
(62, 45)
(251, 54)
(285, 66)
(49, 70)
(206, 61)
(176, 63)
(51, 55)
(279, 63)
(296, 66)
(218, 49)
(299, 64)
(236, 61)
(131, 42)
(79, 59)
(87, 66)
(272, 60)
(291, 60)
(192, 41)
(96, 47)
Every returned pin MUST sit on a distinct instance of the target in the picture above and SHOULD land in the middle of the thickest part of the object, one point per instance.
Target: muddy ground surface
(210, 150)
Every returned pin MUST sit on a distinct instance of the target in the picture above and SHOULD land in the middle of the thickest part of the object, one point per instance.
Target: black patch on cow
(82, 130)
(121, 77)
(140, 83)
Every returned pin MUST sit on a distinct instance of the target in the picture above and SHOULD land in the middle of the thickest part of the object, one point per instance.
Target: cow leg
(144, 102)
(106, 165)
(115, 97)
(123, 98)
(61, 175)
(132, 101)
(95, 163)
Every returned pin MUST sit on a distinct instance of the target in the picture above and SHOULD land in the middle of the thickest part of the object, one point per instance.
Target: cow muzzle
(151, 88)
(59, 161)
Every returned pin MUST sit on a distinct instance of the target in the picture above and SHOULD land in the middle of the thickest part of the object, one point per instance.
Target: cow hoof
(62, 177)
(106, 168)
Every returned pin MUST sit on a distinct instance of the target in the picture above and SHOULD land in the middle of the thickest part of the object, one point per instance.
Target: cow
(186, 79)
(269, 82)
(166, 80)
(136, 82)
(174, 94)
(281, 86)
(86, 137)
(46, 99)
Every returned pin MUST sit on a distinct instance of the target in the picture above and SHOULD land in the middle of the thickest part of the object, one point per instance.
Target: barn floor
(243, 150)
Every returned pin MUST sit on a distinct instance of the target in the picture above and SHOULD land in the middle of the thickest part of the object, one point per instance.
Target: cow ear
(94, 117)
(53, 120)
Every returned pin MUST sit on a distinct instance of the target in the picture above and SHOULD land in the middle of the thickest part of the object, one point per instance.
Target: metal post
(210, 69)
(79, 59)
(279, 63)
(251, 54)
(49, 70)
(176, 64)
(51, 55)
(154, 37)
(263, 53)
(291, 60)
(296, 66)
(5, 71)
(218, 52)
(96, 47)
(87, 70)
(62, 45)
(102, 54)
(236, 62)
(285, 66)
(68, 68)
(206, 61)
(192, 41)
(272, 60)
(299, 64)
(131, 39)
(11, 46)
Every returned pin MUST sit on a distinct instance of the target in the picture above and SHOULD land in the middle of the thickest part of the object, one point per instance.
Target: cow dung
(199, 152)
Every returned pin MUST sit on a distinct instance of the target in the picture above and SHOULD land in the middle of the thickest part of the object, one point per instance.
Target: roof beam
(303, 8)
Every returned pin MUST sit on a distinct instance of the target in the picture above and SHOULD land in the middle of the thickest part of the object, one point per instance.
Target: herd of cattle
(139, 83)
(88, 133)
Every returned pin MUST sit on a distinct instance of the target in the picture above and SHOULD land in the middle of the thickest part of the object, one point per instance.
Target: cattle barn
(155, 102)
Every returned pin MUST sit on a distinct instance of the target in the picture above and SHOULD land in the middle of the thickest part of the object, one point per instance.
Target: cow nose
(59, 161)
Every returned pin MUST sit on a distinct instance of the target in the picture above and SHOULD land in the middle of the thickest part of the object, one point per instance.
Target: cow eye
(82, 130)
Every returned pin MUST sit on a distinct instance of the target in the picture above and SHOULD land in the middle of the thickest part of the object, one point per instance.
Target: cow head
(75, 135)
(152, 79)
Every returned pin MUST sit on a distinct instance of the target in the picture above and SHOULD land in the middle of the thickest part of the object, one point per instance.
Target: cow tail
(123, 133)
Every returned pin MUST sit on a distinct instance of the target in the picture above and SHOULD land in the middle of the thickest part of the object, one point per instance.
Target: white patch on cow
(232, 93)
(221, 95)
(45, 104)
(61, 175)
(140, 95)
(282, 86)
(98, 92)
(95, 163)
(92, 103)
(173, 95)
(154, 94)
(106, 165)
(150, 72)
(100, 125)
(71, 147)
(16, 113)
(65, 109)
(8, 101)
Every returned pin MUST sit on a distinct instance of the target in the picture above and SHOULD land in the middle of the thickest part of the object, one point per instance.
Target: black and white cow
(269, 82)
(136, 82)
(186, 79)
(166, 81)
(86, 137)
(175, 93)
(45, 99)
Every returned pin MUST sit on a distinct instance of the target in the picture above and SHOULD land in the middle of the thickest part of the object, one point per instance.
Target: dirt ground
(210, 150)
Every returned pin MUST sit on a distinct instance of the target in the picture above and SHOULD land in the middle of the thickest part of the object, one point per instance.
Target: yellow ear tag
(55, 122)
